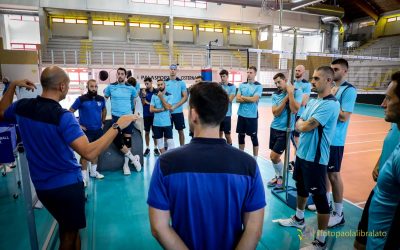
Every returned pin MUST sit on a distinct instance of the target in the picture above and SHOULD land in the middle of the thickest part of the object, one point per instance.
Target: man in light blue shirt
(177, 88)
(286, 99)
(230, 89)
(122, 95)
(160, 105)
(317, 125)
(346, 94)
(248, 95)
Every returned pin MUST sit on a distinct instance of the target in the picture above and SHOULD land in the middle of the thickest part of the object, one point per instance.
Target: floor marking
(360, 203)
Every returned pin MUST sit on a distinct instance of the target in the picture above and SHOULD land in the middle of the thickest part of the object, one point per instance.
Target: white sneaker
(126, 170)
(292, 222)
(336, 220)
(85, 178)
(315, 245)
(312, 207)
(136, 163)
(96, 175)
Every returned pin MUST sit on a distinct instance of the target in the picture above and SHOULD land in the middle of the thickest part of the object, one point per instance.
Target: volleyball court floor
(117, 213)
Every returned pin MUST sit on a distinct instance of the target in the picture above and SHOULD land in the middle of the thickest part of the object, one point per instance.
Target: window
(96, 22)
(366, 24)
(209, 29)
(392, 19)
(156, 26)
(69, 20)
(57, 20)
(187, 27)
(240, 32)
(144, 25)
(219, 30)
(81, 21)
(108, 23)
(134, 24)
(246, 32)
(180, 27)
(163, 2)
(201, 29)
(191, 4)
(119, 23)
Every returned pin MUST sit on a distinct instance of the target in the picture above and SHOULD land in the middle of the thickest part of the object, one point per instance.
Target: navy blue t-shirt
(207, 185)
(47, 130)
(146, 107)
(90, 110)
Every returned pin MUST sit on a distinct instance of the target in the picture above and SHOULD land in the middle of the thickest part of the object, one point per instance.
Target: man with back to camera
(197, 80)
(285, 99)
(248, 95)
(194, 186)
(380, 210)
(46, 127)
(148, 116)
(317, 128)
(225, 127)
(122, 97)
(92, 114)
(305, 87)
(160, 105)
(177, 88)
(346, 94)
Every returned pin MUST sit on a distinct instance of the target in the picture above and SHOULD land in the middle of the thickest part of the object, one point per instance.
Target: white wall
(110, 33)
(392, 28)
(312, 43)
(21, 71)
(240, 39)
(181, 35)
(205, 37)
(69, 30)
(151, 34)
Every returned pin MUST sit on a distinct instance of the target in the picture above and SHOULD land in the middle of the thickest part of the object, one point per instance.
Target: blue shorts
(277, 141)
(310, 177)
(225, 125)
(127, 130)
(162, 132)
(178, 121)
(248, 126)
(148, 123)
(66, 204)
(335, 158)
(93, 135)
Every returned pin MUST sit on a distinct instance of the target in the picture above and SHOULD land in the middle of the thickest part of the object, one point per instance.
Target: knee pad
(254, 140)
(321, 202)
(160, 143)
(301, 190)
(241, 138)
(170, 143)
(119, 141)
(128, 141)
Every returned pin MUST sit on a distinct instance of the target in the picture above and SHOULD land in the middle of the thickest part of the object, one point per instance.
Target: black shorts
(310, 176)
(66, 204)
(178, 121)
(335, 158)
(93, 135)
(295, 133)
(162, 132)
(127, 130)
(277, 141)
(225, 125)
(248, 126)
(363, 224)
(148, 123)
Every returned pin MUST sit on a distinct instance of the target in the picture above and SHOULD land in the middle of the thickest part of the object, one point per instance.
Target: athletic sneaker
(291, 166)
(146, 152)
(336, 220)
(272, 182)
(156, 152)
(96, 175)
(293, 222)
(312, 207)
(279, 183)
(136, 163)
(315, 245)
(126, 170)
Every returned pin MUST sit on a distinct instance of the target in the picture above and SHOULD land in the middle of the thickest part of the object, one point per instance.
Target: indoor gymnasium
(185, 124)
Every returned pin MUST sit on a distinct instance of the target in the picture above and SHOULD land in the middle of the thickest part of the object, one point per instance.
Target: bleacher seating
(381, 47)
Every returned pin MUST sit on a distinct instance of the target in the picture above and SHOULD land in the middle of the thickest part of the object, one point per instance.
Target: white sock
(328, 197)
(321, 235)
(84, 173)
(278, 169)
(299, 214)
(93, 169)
(130, 155)
(339, 208)
(126, 158)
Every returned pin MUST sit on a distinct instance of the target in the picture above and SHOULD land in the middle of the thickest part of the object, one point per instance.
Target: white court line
(360, 203)
(360, 142)
(363, 151)
(378, 133)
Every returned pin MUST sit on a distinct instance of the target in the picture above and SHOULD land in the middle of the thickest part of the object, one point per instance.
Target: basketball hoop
(268, 6)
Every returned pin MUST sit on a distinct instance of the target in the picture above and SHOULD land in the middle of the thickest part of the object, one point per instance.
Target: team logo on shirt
(99, 104)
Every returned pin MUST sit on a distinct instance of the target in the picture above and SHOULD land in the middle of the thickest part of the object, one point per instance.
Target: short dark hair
(210, 101)
(341, 61)
(147, 79)
(396, 78)
(160, 79)
(280, 75)
(327, 70)
(224, 72)
(132, 81)
(199, 77)
(253, 68)
(123, 69)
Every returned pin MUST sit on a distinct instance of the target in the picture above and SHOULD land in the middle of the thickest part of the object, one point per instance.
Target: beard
(92, 93)
(161, 90)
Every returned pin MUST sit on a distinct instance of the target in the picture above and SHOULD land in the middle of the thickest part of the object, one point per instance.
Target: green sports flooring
(117, 216)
